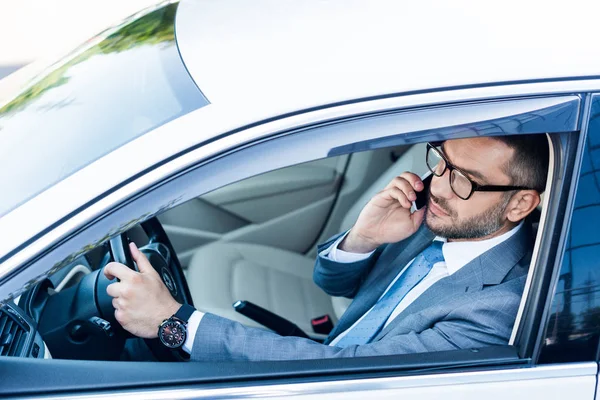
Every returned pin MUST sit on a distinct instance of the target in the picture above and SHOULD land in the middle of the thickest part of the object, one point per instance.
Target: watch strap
(184, 313)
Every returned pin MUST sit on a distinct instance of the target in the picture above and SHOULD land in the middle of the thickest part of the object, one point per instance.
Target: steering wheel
(90, 331)
(162, 256)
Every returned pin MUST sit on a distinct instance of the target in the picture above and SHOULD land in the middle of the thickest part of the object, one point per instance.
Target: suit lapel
(490, 268)
(467, 279)
(391, 261)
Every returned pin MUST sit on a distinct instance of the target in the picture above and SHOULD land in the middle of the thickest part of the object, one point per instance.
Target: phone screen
(423, 195)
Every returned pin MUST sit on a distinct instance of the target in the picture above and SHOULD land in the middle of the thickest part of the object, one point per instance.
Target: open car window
(237, 233)
(217, 252)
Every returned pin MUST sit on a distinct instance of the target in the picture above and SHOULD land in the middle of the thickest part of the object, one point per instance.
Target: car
(213, 133)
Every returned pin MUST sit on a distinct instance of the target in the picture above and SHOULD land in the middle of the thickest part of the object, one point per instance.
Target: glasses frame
(475, 187)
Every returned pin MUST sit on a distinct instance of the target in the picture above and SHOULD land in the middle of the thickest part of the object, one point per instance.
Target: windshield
(120, 85)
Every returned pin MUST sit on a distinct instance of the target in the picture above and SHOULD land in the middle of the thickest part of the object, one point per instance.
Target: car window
(119, 85)
(254, 245)
(249, 162)
(574, 324)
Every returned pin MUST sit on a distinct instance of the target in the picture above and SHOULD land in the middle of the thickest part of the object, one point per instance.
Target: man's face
(482, 160)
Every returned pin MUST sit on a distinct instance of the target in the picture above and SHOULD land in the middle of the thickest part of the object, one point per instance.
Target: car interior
(276, 274)
(251, 241)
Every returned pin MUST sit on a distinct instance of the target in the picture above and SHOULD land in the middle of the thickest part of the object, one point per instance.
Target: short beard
(475, 227)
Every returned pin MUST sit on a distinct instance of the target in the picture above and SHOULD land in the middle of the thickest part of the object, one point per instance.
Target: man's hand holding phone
(387, 217)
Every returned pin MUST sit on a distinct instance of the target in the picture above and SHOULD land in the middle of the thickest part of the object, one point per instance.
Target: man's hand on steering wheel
(141, 299)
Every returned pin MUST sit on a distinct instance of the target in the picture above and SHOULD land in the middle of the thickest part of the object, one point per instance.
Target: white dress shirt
(456, 256)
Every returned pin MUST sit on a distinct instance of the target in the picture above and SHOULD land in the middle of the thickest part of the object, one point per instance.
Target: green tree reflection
(153, 28)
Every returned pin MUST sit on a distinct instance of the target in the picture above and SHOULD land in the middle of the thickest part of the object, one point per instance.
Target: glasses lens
(461, 185)
(435, 162)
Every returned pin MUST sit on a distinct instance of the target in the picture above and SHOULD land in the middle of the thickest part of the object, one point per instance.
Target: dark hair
(529, 164)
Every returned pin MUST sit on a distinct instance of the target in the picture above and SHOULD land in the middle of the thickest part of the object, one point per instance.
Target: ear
(522, 204)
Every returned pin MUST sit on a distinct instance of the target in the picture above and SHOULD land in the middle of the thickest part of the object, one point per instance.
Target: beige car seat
(221, 273)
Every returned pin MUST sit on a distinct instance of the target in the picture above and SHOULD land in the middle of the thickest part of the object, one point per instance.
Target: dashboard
(18, 334)
(19, 321)
(71, 314)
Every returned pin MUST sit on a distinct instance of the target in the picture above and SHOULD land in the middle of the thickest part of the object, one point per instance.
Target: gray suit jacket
(474, 307)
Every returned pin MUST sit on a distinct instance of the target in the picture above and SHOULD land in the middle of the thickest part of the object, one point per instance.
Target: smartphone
(423, 195)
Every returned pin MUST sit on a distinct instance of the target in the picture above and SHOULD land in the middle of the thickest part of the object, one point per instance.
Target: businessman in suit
(448, 276)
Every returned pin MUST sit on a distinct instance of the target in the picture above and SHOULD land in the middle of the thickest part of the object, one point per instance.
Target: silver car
(215, 132)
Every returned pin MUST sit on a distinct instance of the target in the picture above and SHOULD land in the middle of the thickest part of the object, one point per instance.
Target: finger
(413, 180)
(107, 274)
(417, 217)
(120, 317)
(118, 270)
(140, 259)
(116, 303)
(392, 182)
(397, 195)
(114, 289)
(406, 187)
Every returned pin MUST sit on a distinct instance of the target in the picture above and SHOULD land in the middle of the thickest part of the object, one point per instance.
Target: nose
(440, 186)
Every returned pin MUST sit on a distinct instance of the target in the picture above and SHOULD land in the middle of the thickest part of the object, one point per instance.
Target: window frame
(570, 185)
(153, 200)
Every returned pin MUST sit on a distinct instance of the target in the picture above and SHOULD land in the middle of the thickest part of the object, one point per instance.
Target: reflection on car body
(244, 135)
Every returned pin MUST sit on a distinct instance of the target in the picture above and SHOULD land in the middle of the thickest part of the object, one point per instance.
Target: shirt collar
(459, 254)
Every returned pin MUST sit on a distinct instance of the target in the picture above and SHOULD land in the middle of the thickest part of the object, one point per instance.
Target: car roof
(295, 55)
(258, 60)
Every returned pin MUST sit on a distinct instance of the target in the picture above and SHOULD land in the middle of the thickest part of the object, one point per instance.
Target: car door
(573, 328)
(299, 197)
(511, 370)
(571, 331)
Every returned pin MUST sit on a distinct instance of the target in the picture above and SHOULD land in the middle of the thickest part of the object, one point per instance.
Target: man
(452, 282)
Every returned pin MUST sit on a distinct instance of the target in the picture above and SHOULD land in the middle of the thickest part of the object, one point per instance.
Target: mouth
(437, 210)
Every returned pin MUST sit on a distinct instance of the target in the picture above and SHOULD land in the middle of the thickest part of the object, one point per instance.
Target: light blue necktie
(372, 323)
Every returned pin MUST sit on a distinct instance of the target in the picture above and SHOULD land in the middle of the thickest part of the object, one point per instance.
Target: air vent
(13, 333)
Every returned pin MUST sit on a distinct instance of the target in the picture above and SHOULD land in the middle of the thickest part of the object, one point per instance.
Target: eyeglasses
(461, 185)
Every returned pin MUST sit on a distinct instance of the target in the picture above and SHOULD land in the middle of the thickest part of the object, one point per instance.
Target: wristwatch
(172, 332)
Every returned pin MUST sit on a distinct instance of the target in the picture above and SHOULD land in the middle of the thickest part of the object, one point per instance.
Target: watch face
(172, 333)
